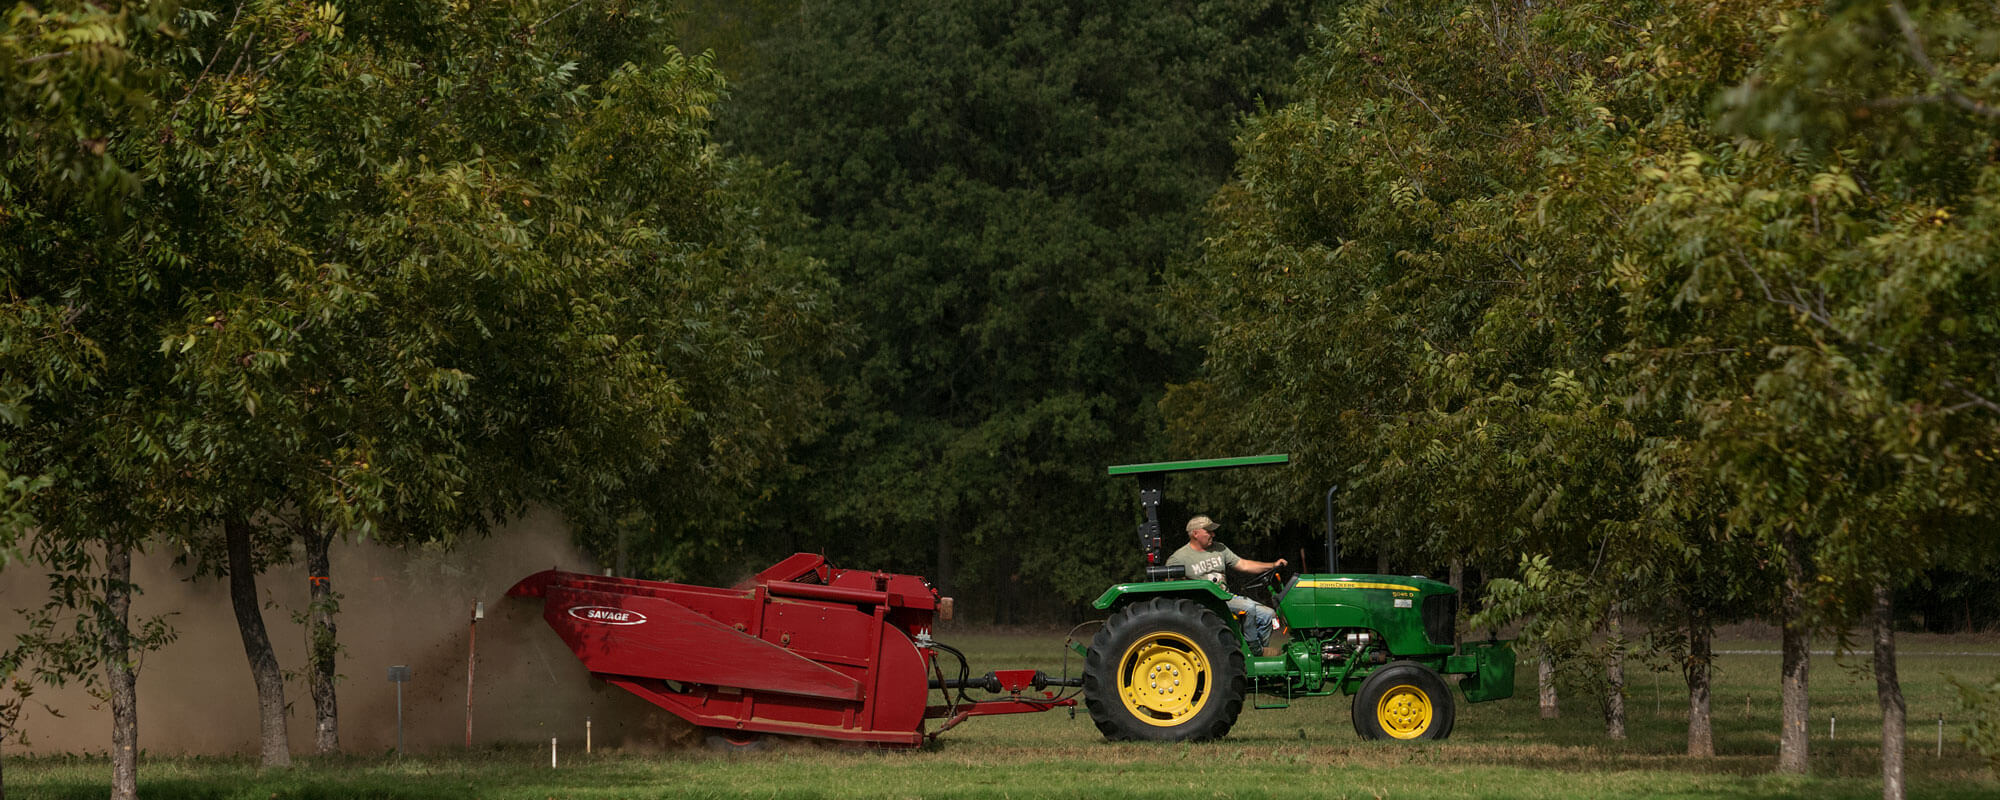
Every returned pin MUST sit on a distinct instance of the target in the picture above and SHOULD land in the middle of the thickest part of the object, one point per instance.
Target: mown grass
(1499, 750)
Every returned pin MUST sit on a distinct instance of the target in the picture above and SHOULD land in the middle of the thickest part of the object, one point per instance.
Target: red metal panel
(839, 594)
(652, 637)
(827, 655)
(1012, 705)
(697, 708)
(799, 567)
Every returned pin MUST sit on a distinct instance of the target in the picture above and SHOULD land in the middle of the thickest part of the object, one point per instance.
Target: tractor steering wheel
(1270, 581)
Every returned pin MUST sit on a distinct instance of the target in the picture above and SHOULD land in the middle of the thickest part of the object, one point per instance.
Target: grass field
(1498, 750)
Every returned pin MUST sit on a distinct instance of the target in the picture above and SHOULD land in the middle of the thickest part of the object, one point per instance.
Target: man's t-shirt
(1207, 565)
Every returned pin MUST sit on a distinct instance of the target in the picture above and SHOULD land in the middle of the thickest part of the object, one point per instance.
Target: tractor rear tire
(1164, 670)
(1404, 701)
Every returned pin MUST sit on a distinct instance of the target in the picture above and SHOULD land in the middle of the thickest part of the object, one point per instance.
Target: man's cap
(1202, 523)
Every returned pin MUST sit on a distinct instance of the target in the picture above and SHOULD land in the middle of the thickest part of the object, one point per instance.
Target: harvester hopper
(800, 649)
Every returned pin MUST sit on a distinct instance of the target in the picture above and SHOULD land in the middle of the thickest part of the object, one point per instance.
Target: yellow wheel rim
(1163, 679)
(1404, 712)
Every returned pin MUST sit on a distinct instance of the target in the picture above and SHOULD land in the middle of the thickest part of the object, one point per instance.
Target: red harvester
(801, 649)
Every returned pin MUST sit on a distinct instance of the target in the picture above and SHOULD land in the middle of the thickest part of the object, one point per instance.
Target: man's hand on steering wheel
(1268, 578)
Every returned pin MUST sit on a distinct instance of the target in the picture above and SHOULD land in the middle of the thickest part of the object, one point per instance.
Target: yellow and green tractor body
(1341, 627)
(1172, 662)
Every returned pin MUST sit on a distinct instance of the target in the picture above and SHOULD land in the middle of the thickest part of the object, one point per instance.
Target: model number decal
(606, 615)
(1350, 583)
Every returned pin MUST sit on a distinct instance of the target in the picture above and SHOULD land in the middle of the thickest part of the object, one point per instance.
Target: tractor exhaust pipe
(1332, 546)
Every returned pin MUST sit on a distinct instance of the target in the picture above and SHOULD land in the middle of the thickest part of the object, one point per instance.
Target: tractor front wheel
(1164, 669)
(1404, 700)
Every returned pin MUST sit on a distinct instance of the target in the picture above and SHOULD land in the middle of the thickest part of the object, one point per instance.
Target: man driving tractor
(1205, 559)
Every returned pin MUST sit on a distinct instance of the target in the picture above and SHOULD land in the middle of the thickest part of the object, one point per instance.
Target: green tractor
(1170, 664)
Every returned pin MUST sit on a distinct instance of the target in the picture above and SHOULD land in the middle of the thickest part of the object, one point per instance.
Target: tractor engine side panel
(1393, 606)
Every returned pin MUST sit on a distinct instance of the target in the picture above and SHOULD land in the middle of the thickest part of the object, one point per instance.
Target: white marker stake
(586, 736)
(552, 752)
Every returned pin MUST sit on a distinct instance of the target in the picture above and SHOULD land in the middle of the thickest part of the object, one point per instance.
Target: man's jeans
(1258, 621)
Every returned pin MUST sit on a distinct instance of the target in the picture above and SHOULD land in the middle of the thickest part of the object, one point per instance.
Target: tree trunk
(1458, 585)
(323, 644)
(1701, 654)
(1614, 677)
(945, 583)
(619, 564)
(272, 742)
(122, 683)
(1545, 680)
(1793, 736)
(1381, 563)
(1890, 692)
(1008, 610)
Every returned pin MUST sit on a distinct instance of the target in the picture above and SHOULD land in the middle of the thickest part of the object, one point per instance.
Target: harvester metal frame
(800, 649)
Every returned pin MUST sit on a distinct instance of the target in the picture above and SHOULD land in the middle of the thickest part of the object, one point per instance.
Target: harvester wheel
(1404, 700)
(1164, 669)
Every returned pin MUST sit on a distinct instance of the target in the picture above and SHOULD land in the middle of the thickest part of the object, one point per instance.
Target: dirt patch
(400, 606)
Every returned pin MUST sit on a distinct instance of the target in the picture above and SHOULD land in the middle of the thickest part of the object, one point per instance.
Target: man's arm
(1253, 567)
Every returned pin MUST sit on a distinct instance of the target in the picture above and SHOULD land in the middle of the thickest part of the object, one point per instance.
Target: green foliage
(71, 76)
(16, 493)
(61, 641)
(998, 188)
(1819, 298)
(1982, 733)
(1405, 284)
(378, 268)
(75, 65)
(1601, 293)
(394, 274)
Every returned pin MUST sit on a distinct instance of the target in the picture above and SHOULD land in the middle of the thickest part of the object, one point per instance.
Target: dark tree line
(1672, 313)
(1657, 315)
(999, 189)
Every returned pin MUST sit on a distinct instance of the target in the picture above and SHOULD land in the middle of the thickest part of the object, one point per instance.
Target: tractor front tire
(1404, 701)
(1164, 670)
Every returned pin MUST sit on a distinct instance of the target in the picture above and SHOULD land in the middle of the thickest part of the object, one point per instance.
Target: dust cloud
(399, 606)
